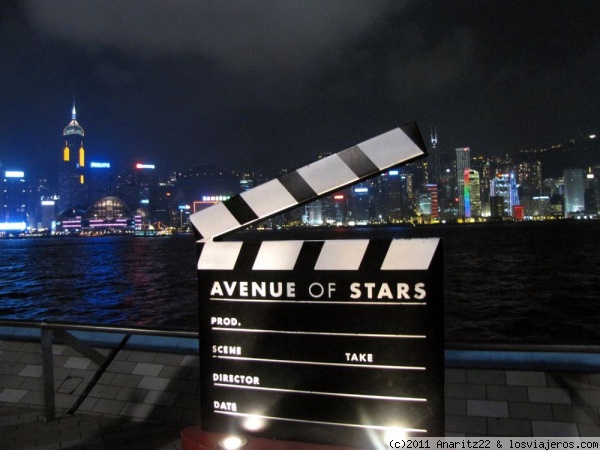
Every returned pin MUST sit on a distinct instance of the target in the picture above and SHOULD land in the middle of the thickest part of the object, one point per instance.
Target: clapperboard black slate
(327, 341)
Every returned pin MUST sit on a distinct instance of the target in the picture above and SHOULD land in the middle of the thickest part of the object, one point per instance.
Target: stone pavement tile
(455, 406)
(187, 401)
(88, 405)
(466, 424)
(160, 398)
(69, 385)
(554, 429)
(29, 347)
(487, 408)
(507, 393)
(58, 349)
(12, 395)
(104, 391)
(32, 398)
(594, 379)
(140, 357)
(509, 427)
(486, 376)
(548, 395)
(32, 384)
(531, 411)
(563, 379)
(154, 383)
(525, 378)
(134, 395)
(587, 397)
(466, 391)
(576, 413)
(175, 372)
(31, 358)
(77, 362)
(181, 386)
(126, 380)
(11, 381)
(31, 370)
(588, 429)
(122, 367)
(455, 375)
(104, 406)
(6, 357)
(191, 361)
(147, 369)
(64, 401)
(168, 359)
(137, 410)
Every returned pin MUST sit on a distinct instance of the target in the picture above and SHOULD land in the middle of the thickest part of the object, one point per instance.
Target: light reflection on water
(530, 282)
(105, 280)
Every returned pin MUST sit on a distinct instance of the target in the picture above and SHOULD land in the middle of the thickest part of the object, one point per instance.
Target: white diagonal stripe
(410, 254)
(219, 255)
(277, 255)
(390, 149)
(214, 221)
(343, 254)
(327, 174)
(269, 198)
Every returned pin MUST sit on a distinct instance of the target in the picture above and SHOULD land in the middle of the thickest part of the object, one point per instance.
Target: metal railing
(62, 332)
(49, 332)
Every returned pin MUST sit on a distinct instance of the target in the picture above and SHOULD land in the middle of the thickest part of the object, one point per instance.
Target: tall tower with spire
(72, 187)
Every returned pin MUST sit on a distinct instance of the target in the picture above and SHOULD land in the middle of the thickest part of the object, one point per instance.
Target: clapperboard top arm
(326, 176)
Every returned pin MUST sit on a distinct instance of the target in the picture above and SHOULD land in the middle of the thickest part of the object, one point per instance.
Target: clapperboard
(332, 341)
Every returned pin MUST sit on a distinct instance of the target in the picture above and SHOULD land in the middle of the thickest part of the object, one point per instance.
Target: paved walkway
(147, 396)
(142, 401)
(25, 428)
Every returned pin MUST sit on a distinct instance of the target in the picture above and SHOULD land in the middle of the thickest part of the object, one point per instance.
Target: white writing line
(319, 422)
(328, 302)
(334, 394)
(318, 363)
(322, 333)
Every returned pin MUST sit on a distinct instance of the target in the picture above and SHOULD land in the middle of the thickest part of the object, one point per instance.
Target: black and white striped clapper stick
(323, 177)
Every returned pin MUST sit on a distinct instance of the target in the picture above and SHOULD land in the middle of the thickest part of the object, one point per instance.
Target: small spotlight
(395, 433)
(232, 443)
(254, 423)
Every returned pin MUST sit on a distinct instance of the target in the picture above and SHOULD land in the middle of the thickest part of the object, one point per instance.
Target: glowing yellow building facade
(72, 186)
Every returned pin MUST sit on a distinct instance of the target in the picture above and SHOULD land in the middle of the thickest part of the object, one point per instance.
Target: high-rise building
(100, 180)
(574, 192)
(593, 190)
(504, 195)
(427, 204)
(472, 193)
(13, 209)
(72, 187)
(463, 162)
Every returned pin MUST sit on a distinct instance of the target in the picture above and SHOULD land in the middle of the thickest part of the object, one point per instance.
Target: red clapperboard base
(193, 438)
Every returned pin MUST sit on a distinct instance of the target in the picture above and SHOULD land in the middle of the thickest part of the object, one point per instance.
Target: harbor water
(532, 282)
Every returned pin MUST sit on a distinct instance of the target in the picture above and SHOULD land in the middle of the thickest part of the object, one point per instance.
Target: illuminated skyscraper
(463, 162)
(13, 214)
(574, 192)
(504, 195)
(472, 193)
(72, 188)
(432, 190)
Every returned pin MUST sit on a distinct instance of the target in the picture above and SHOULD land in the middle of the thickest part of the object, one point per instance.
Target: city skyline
(274, 84)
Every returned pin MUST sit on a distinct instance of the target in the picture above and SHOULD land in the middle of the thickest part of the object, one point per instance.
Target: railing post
(48, 374)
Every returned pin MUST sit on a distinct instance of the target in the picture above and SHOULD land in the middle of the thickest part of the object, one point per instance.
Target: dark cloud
(272, 83)
(245, 35)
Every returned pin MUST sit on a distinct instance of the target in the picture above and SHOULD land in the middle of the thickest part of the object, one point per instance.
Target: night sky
(269, 84)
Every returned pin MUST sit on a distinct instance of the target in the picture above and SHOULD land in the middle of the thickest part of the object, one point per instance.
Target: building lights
(14, 174)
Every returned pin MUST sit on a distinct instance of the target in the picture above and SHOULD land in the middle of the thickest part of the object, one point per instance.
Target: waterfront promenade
(149, 393)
